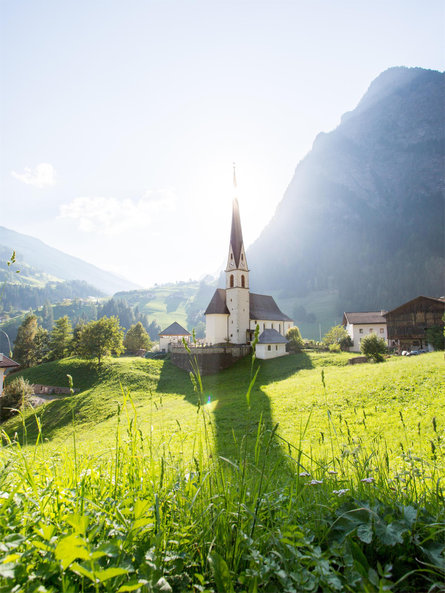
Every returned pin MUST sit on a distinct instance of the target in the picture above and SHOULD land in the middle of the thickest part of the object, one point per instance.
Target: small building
(271, 344)
(6, 364)
(359, 325)
(407, 324)
(172, 335)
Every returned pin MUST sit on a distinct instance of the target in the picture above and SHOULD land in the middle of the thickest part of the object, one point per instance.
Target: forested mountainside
(363, 216)
(46, 260)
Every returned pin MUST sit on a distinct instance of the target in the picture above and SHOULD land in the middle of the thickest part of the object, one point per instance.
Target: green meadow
(318, 476)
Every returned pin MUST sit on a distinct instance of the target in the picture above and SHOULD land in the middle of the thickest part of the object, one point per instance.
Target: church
(234, 312)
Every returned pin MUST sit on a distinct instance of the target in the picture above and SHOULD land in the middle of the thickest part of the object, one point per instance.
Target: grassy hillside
(331, 481)
(394, 402)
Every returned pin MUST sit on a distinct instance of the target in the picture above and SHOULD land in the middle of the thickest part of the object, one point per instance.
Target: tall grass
(273, 516)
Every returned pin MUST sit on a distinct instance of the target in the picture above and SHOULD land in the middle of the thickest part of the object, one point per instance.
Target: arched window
(231, 281)
(243, 282)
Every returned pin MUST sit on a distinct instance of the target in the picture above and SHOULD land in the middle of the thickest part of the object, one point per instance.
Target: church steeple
(237, 256)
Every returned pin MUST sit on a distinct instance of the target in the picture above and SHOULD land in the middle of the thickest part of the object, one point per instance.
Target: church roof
(263, 306)
(271, 336)
(236, 234)
(217, 305)
(6, 362)
(174, 330)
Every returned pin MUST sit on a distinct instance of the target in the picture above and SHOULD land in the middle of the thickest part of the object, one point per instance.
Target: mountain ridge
(58, 264)
(363, 214)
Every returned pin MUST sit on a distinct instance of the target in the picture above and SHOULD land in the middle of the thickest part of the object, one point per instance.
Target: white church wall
(216, 328)
(281, 326)
(237, 301)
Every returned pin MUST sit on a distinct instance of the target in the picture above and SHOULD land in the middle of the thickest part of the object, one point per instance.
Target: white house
(5, 364)
(359, 325)
(234, 312)
(173, 334)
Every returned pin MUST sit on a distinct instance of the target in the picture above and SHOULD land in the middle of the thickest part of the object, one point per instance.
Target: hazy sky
(119, 121)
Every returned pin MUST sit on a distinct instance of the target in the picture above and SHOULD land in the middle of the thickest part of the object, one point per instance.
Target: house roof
(366, 317)
(6, 363)
(217, 305)
(174, 330)
(271, 336)
(263, 306)
(236, 233)
(417, 299)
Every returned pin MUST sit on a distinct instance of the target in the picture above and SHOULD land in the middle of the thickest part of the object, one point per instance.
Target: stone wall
(210, 359)
(49, 389)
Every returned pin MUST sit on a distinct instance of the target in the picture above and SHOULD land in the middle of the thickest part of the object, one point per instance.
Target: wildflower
(314, 482)
(332, 472)
(368, 480)
(341, 492)
(305, 475)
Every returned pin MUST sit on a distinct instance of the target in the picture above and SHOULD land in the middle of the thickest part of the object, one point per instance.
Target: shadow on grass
(237, 426)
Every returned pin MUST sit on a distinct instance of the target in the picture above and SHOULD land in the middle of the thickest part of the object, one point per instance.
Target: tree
(436, 336)
(101, 337)
(373, 347)
(25, 346)
(41, 346)
(61, 337)
(137, 338)
(295, 340)
(15, 397)
(338, 335)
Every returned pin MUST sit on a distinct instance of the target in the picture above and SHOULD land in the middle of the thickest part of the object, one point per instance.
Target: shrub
(373, 347)
(15, 397)
(295, 340)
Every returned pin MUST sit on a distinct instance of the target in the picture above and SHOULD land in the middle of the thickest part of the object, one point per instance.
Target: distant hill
(361, 225)
(46, 261)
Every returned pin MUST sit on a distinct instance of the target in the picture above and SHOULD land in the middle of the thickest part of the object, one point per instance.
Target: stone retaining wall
(357, 360)
(210, 359)
(50, 389)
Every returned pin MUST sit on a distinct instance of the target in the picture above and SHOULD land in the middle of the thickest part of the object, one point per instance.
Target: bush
(373, 347)
(15, 397)
(295, 343)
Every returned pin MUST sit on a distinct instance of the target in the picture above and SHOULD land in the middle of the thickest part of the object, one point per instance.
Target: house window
(264, 326)
(382, 330)
(360, 330)
(232, 281)
(271, 325)
(243, 282)
(268, 347)
(371, 329)
(276, 347)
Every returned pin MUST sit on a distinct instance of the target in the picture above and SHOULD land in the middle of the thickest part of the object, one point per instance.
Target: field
(331, 480)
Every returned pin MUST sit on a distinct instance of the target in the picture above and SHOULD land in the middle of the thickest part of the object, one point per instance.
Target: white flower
(368, 480)
(304, 475)
(341, 492)
(314, 482)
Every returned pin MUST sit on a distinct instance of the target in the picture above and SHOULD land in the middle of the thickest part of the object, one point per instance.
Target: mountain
(47, 261)
(362, 219)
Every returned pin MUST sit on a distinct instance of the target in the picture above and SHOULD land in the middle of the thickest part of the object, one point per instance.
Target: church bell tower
(237, 280)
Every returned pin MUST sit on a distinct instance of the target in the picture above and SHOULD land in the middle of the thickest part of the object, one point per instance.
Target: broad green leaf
(132, 586)
(71, 548)
(7, 570)
(78, 522)
(81, 570)
(109, 573)
(364, 533)
(391, 534)
(221, 573)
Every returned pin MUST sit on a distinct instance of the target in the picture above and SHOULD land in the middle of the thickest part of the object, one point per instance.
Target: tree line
(95, 339)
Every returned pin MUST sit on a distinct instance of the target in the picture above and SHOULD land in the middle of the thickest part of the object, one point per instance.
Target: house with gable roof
(234, 312)
(6, 364)
(358, 325)
(173, 334)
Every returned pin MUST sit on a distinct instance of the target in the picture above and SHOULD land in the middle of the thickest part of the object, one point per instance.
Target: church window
(242, 257)
(276, 347)
(271, 325)
(269, 347)
(264, 326)
(231, 281)
(243, 282)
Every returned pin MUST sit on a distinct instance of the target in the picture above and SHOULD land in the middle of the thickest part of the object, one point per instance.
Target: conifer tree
(61, 337)
(25, 346)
